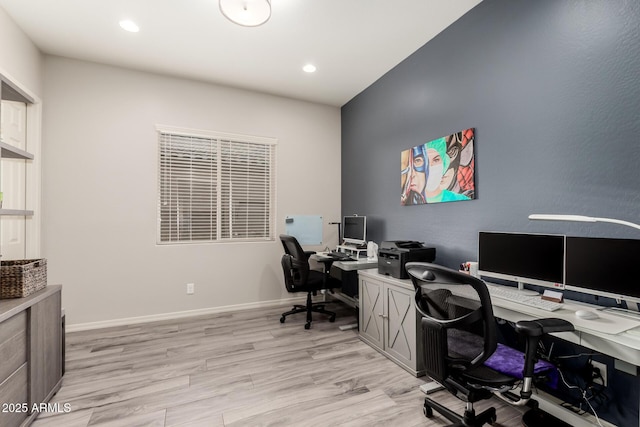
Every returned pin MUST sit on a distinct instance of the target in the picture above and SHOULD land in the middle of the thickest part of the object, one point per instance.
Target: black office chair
(460, 335)
(299, 277)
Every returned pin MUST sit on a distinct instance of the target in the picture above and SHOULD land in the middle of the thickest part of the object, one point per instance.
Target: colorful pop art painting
(439, 171)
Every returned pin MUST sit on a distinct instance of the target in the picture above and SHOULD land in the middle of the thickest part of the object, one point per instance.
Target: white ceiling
(352, 42)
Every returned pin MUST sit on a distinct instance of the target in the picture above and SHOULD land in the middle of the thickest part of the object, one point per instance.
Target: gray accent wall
(552, 88)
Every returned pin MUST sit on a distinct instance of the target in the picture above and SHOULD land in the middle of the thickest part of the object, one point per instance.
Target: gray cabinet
(388, 320)
(13, 370)
(31, 353)
(45, 348)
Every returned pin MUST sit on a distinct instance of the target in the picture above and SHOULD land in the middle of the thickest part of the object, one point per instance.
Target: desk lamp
(581, 218)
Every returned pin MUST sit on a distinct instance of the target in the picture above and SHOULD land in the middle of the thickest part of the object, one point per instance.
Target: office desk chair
(298, 277)
(460, 341)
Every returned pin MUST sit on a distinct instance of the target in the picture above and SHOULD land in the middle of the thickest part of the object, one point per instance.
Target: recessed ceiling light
(130, 26)
(309, 68)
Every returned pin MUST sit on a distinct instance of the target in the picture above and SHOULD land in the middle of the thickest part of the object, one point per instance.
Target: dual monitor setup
(590, 265)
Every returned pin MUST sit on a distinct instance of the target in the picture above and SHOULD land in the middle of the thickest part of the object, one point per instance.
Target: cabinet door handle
(383, 316)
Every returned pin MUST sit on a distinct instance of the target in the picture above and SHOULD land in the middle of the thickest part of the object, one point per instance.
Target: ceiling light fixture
(129, 26)
(248, 13)
(309, 68)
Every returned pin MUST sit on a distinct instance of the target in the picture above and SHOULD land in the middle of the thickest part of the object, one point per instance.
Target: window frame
(219, 139)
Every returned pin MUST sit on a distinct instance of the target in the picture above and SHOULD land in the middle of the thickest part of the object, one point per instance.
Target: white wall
(100, 189)
(20, 60)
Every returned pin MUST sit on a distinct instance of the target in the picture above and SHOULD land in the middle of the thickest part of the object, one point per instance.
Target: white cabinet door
(389, 321)
(371, 312)
(12, 181)
(400, 331)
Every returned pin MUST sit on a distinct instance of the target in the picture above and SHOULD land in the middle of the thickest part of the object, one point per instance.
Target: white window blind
(215, 187)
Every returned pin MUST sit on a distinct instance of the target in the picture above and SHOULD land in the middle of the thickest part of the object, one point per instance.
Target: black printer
(394, 254)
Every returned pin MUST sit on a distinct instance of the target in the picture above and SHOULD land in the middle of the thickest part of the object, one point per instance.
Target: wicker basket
(21, 278)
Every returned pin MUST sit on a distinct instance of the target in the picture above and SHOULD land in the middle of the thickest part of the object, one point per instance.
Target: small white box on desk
(550, 295)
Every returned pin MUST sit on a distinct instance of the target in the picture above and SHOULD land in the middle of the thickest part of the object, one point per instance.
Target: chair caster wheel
(332, 319)
(427, 411)
(282, 319)
(493, 418)
(307, 325)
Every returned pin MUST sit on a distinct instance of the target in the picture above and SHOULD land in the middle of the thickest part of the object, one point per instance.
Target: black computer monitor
(602, 266)
(536, 259)
(354, 229)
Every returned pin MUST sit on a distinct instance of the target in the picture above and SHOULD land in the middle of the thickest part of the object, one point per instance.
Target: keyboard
(518, 297)
(340, 255)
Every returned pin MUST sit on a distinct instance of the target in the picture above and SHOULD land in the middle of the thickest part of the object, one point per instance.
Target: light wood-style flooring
(241, 368)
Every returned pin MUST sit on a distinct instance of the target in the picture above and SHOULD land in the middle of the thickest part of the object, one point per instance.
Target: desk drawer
(14, 401)
(13, 344)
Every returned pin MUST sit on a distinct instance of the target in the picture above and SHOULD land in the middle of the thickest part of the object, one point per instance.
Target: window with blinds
(215, 187)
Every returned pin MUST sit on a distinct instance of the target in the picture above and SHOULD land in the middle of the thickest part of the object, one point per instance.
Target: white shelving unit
(9, 152)
(10, 92)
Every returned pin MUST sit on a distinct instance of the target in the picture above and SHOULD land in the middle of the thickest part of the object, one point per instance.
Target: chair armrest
(533, 330)
(309, 253)
(539, 327)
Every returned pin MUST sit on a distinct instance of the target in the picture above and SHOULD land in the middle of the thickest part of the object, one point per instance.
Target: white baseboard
(179, 314)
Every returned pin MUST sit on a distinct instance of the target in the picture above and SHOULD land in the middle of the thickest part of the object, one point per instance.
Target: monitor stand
(354, 250)
(524, 291)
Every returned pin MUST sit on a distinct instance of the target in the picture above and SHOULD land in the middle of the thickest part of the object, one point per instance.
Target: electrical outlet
(191, 288)
(603, 370)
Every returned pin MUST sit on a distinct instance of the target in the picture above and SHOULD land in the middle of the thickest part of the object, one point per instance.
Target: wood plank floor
(240, 369)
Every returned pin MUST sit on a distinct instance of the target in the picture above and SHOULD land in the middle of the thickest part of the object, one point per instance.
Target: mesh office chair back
(457, 320)
(460, 335)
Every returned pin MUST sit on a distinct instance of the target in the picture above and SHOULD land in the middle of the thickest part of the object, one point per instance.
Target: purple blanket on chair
(510, 362)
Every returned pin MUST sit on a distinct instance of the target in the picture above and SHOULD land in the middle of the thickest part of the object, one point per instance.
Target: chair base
(309, 308)
(469, 418)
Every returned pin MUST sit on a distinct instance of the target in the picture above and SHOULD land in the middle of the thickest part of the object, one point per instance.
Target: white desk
(624, 346)
(348, 274)
(358, 264)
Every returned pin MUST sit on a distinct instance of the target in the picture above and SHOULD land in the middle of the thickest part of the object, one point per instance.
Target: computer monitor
(602, 266)
(536, 259)
(354, 229)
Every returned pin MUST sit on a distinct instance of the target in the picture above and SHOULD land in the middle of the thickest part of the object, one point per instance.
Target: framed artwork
(439, 171)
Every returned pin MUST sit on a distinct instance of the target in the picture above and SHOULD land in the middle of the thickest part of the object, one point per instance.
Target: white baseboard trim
(179, 314)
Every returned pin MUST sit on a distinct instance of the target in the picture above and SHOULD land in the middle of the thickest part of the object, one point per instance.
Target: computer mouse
(587, 314)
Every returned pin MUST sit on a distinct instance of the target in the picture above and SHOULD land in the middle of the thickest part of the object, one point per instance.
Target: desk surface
(607, 322)
(608, 334)
(359, 264)
(622, 344)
